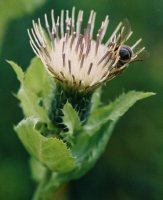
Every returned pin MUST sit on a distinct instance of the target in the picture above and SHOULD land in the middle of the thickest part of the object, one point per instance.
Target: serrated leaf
(34, 90)
(39, 82)
(37, 79)
(92, 141)
(96, 99)
(71, 118)
(18, 70)
(89, 148)
(51, 151)
(30, 104)
(116, 109)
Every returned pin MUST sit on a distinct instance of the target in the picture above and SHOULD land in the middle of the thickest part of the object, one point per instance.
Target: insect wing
(125, 32)
(143, 55)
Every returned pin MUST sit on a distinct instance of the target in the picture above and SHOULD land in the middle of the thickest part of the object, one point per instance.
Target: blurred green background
(132, 165)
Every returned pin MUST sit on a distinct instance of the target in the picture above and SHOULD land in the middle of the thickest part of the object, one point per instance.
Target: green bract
(70, 153)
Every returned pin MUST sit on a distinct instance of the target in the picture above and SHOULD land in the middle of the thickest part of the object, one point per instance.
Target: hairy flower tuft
(77, 60)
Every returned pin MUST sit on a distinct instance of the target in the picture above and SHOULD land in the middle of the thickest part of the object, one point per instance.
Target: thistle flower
(78, 62)
(76, 59)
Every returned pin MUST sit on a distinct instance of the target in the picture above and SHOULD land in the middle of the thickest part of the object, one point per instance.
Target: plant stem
(38, 194)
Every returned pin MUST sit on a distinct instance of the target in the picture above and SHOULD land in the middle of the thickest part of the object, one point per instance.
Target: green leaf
(92, 141)
(35, 89)
(37, 78)
(37, 169)
(29, 102)
(38, 81)
(71, 118)
(51, 151)
(116, 109)
(96, 99)
(18, 70)
(89, 148)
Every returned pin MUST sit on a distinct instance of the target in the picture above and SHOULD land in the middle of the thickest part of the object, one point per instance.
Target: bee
(125, 55)
(128, 54)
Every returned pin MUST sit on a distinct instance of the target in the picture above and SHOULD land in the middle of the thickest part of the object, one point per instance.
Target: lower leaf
(51, 151)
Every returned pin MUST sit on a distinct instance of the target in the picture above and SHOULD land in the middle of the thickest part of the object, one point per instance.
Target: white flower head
(77, 60)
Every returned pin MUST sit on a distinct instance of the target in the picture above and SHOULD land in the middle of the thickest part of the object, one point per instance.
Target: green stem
(38, 194)
(55, 181)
